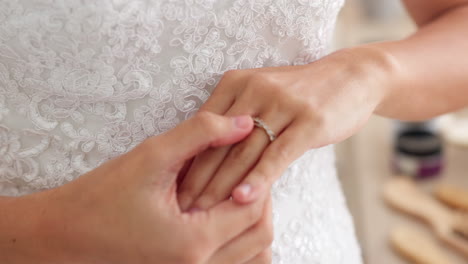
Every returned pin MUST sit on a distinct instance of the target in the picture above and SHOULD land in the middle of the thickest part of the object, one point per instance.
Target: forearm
(426, 74)
(22, 238)
(15, 230)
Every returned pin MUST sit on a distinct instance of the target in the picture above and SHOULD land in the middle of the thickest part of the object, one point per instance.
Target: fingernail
(242, 121)
(245, 189)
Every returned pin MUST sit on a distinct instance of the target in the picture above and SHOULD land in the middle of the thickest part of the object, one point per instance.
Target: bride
(87, 86)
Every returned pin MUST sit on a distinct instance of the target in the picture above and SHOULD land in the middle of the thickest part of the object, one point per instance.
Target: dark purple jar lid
(418, 153)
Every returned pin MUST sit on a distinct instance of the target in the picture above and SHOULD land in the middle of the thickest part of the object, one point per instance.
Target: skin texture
(126, 210)
(329, 100)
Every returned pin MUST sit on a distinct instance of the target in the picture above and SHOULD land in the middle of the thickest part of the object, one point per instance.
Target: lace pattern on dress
(91, 80)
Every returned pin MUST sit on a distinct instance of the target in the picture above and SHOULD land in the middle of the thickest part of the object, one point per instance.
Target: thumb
(202, 131)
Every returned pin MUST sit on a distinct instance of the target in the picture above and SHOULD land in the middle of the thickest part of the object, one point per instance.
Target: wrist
(375, 70)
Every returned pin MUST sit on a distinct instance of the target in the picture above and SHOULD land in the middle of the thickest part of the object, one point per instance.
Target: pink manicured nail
(242, 121)
(245, 189)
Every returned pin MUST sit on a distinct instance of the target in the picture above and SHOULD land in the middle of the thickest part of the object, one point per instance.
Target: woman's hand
(306, 106)
(126, 210)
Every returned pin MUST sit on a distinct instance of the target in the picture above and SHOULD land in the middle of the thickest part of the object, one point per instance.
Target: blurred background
(367, 161)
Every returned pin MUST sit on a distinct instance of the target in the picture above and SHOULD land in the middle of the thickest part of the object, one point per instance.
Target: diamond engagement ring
(261, 124)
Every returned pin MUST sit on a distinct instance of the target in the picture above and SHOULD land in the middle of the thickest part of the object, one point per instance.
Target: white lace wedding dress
(83, 81)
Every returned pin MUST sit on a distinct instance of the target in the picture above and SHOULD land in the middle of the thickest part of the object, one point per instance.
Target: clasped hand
(306, 106)
(126, 210)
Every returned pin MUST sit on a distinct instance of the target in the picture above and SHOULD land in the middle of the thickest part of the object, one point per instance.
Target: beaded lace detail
(83, 81)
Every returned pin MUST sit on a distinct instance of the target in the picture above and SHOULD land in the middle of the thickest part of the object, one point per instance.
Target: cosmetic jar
(418, 151)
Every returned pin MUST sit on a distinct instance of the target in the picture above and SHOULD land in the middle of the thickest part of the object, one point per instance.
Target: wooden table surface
(363, 165)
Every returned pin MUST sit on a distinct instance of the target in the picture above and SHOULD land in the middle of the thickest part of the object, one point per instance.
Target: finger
(275, 160)
(202, 131)
(251, 244)
(183, 171)
(222, 97)
(217, 103)
(262, 258)
(229, 219)
(204, 168)
(198, 176)
(240, 159)
(231, 171)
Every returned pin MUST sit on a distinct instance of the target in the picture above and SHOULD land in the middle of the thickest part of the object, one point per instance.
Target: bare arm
(121, 211)
(17, 228)
(427, 73)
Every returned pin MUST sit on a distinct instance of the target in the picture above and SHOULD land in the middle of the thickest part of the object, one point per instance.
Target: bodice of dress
(83, 81)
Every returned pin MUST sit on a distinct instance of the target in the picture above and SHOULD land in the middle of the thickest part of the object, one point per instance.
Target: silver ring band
(261, 124)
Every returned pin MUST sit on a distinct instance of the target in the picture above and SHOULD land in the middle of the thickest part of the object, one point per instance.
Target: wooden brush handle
(457, 243)
(417, 247)
(404, 195)
(453, 196)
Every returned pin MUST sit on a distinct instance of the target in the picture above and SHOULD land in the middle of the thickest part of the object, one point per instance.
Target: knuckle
(265, 80)
(322, 122)
(228, 78)
(320, 118)
(262, 78)
(230, 74)
(263, 174)
(209, 123)
(281, 151)
(310, 108)
(313, 110)
(254, 214)
(315, 114)
(205, 118)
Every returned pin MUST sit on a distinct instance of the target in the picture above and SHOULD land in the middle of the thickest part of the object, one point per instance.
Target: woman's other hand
(126, 210)
(306, 106)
